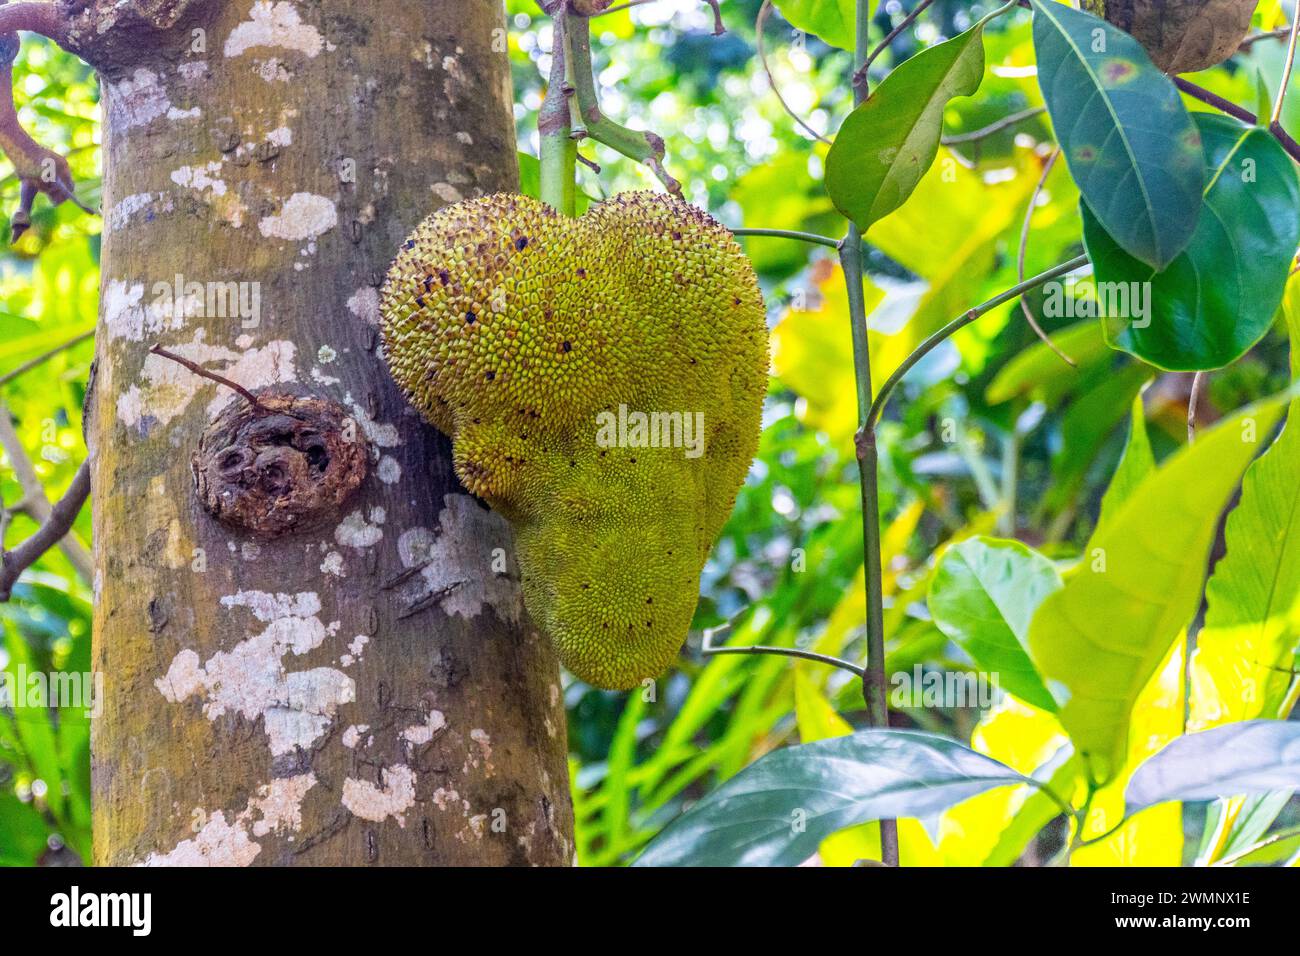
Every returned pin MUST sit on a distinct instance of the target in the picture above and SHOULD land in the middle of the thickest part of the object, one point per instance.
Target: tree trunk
(320, 674)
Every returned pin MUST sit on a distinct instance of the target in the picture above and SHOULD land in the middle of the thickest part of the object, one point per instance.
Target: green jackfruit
(554, 352)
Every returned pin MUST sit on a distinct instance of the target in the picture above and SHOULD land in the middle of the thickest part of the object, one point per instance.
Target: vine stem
(1246, 116)
(808, 237)
(1276, 116)
(963, 320)
(874, 679)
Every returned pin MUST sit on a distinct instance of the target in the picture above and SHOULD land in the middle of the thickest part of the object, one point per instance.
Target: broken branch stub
(286, 466)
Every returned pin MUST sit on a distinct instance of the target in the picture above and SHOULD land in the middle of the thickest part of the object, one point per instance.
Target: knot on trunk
(287, 466)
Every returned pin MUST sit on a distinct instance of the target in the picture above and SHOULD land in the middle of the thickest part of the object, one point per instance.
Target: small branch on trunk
(210, 376)
(55, 529)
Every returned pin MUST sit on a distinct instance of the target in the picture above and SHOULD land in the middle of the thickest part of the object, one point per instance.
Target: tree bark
(351, 683)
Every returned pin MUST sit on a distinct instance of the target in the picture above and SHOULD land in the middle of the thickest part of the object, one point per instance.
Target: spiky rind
(512, 329)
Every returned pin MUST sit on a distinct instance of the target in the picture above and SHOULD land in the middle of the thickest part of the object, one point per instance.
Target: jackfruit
(602, 380)
(1182, 36)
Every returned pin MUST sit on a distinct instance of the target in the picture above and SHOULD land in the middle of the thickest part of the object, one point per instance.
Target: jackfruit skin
(511, 328)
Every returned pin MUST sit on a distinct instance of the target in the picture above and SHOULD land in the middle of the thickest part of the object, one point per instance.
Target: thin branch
(860, 76)
(1280, 836)
(62, 516)
(922, 350)
(1020, 259)
(39, 170)
(709, 649)
(34, 503)
(1276, 116)
(1250, 41)
(764, 12)
(202, 372)
(808, 237)
(1193, 402)
(43, 18)
(644, 147)
(993, 128)
(26, 367)
(1245, 115)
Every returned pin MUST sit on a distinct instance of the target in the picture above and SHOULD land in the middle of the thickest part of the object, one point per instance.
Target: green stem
(644, 147)
(965, 319)
(559, 151)
(874, 680)
(808, 237)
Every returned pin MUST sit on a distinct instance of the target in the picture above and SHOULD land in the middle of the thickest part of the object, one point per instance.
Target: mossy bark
(368, 691)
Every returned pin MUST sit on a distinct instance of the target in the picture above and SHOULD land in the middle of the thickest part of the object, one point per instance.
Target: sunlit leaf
(889, 141)
(831, 20)
(1099, 639)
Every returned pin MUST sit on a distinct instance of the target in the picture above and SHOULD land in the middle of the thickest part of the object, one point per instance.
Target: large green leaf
(778, 810)
(1247, 648)
(1128, 140)
(984, 594)
(1251, 756)
(1099, 639)
(886, 145)
(1136, 463)
(832, 20)
(1220, 295)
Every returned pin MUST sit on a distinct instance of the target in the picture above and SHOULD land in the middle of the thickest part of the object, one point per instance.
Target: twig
(1245, 115)
(1194, 400)
(39, 170)
(1020, 259)
(211, 376)
(644, 147)
(1278, 837)
(709, 649)
(993, 128)
(26, 367)
(860, 76)
(34, 503)
(764, 12)
(924, 349)
(1276, 116)
(808, 237)
(56, 527)
(1250, 41)
(719, 28)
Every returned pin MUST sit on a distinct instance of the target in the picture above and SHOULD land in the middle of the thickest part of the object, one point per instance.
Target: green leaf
(1126, 137)
(1136, 463)
(1099, 639)
(778, 810)
(983, 596)
(1220, 295)
(1248, 757)
(1247, 648)
(888, 143)
(832, 20)
(1038, 372)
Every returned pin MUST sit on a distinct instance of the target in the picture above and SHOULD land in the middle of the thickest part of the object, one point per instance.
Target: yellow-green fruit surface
(520, 333)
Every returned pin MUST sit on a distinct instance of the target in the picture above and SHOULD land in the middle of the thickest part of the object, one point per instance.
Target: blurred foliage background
(993, 433)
